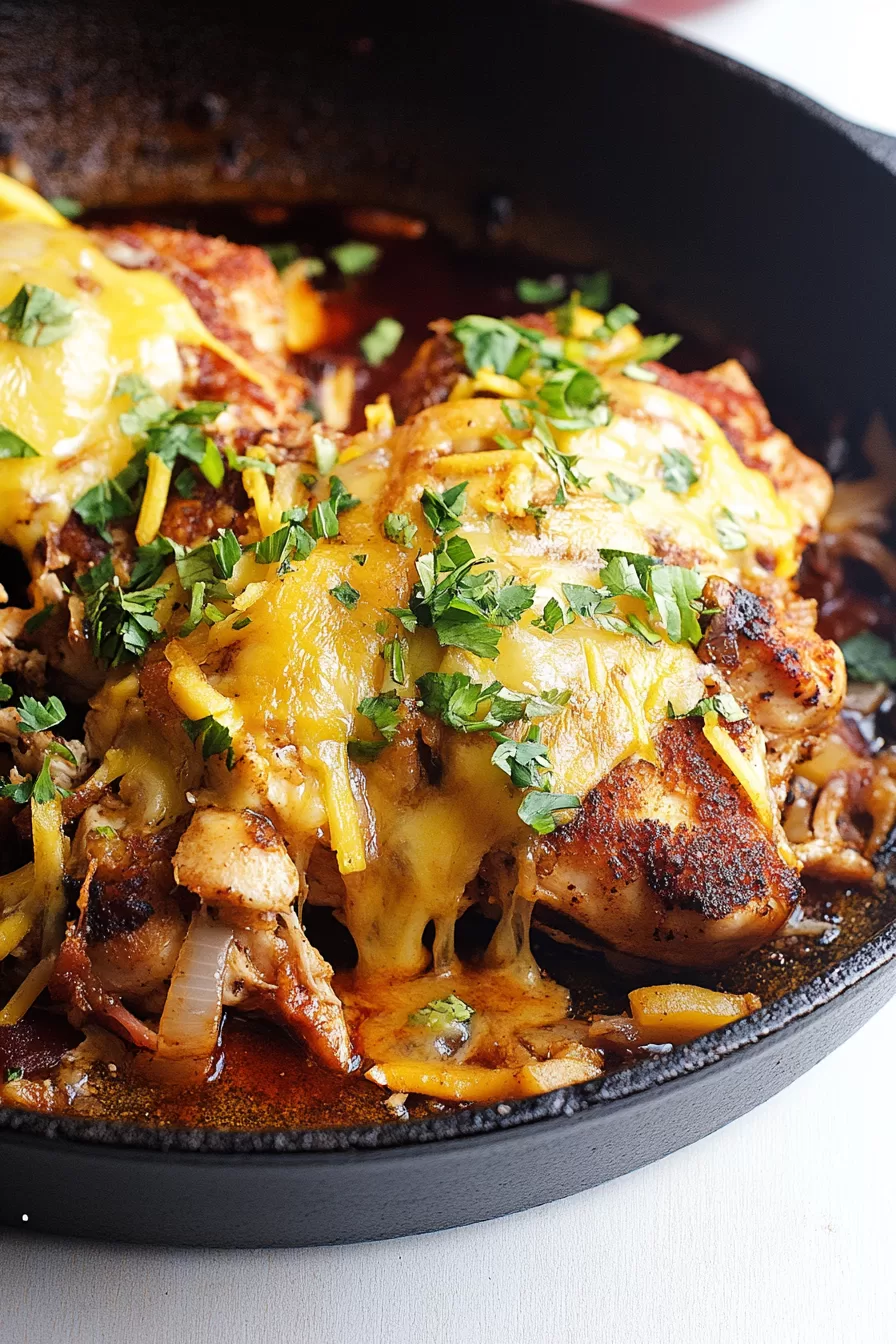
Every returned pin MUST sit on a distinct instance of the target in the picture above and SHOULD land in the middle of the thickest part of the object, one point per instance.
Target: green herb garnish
(679, 472)
(38, 316)
(381, 341)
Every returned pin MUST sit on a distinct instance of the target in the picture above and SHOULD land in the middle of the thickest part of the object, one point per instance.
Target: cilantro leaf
(525, 762)
(515, 415)
(674, 591)
(574, 399)
(565, 465)
(552, 617)
(35, 717)
(121, 623)
(381, 341)
(587, 601)
(655, 347)
(538, 810)
(594, 290)
(394, 654)
(11, 445)
(540, 292)
(441, 1014)
(729, 531)
(5, 693)
(457, 700)
(216, 738)
(38, 316)
(281, 254)
(398, 527)
(382, 711)
(355, 257)
(623, 315)
(150, 561)
(443, 510)
(67, 206)
(620, 491)
(679, 472)
(346, 594)
(869, 658)
(723, 704)
(487, 342)
(104, 503)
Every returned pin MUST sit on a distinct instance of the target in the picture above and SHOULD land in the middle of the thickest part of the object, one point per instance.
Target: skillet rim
(628, 1084)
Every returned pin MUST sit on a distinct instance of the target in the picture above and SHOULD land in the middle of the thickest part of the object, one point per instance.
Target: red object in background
(660, 11)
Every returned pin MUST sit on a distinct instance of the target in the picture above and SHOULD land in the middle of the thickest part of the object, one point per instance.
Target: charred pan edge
(641, 1078)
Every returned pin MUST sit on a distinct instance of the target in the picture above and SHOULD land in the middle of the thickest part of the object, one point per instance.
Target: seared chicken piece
(791, 680)
(236, 860)
(237, 863)
(670, 864)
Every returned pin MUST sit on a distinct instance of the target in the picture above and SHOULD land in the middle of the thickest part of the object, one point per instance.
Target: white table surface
(777, 1230)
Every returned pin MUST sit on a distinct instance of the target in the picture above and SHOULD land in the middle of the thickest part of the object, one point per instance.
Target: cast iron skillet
(738, 207)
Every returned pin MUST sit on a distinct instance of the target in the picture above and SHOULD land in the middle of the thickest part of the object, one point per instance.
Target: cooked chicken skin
(670, 864)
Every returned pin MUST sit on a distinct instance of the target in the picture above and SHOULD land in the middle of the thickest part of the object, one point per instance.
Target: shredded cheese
(155, 497)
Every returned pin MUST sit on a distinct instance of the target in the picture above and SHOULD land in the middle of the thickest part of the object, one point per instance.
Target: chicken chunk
(791, 680)
(236, 860)
(670, 864)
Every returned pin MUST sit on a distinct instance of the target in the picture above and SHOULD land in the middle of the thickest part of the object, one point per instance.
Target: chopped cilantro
(674, 591)
(515, 415)
(325, 452)
(394, 654)
(382, 711)
(67, 206)
(346, 594)
(398, 527)
(242, 623)
(216, 738)
(14, 1074)
(655, 347)
(405, 616)
(121, 623)
(35, 717)
(340, 498)
(463, 598)
(282, 254)
(355, 257)
(565, 465)
(723, 704)
(38, 316)
(381, 341)
(525, 762)
(679, 472)
(237, 462)
(5, 693)
(443, 510)
(105, 832)
(621, 491)
(574, 399)
(487, 342)
(552, 617)
(442, 1014)
(539, 292)
(594, 290)
(12, 445)
(185, 483)
(457, 700)
(729, 531)
(41, 788)
(869, 658)
(539, 810)
(623, 315)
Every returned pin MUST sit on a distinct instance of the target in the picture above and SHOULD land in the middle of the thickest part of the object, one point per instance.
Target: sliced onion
(188, 1031)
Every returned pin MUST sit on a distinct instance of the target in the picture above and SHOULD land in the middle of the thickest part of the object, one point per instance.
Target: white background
(778, 1230)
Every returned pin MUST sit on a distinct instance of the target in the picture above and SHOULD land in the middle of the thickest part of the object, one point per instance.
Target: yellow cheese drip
(58, 397)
